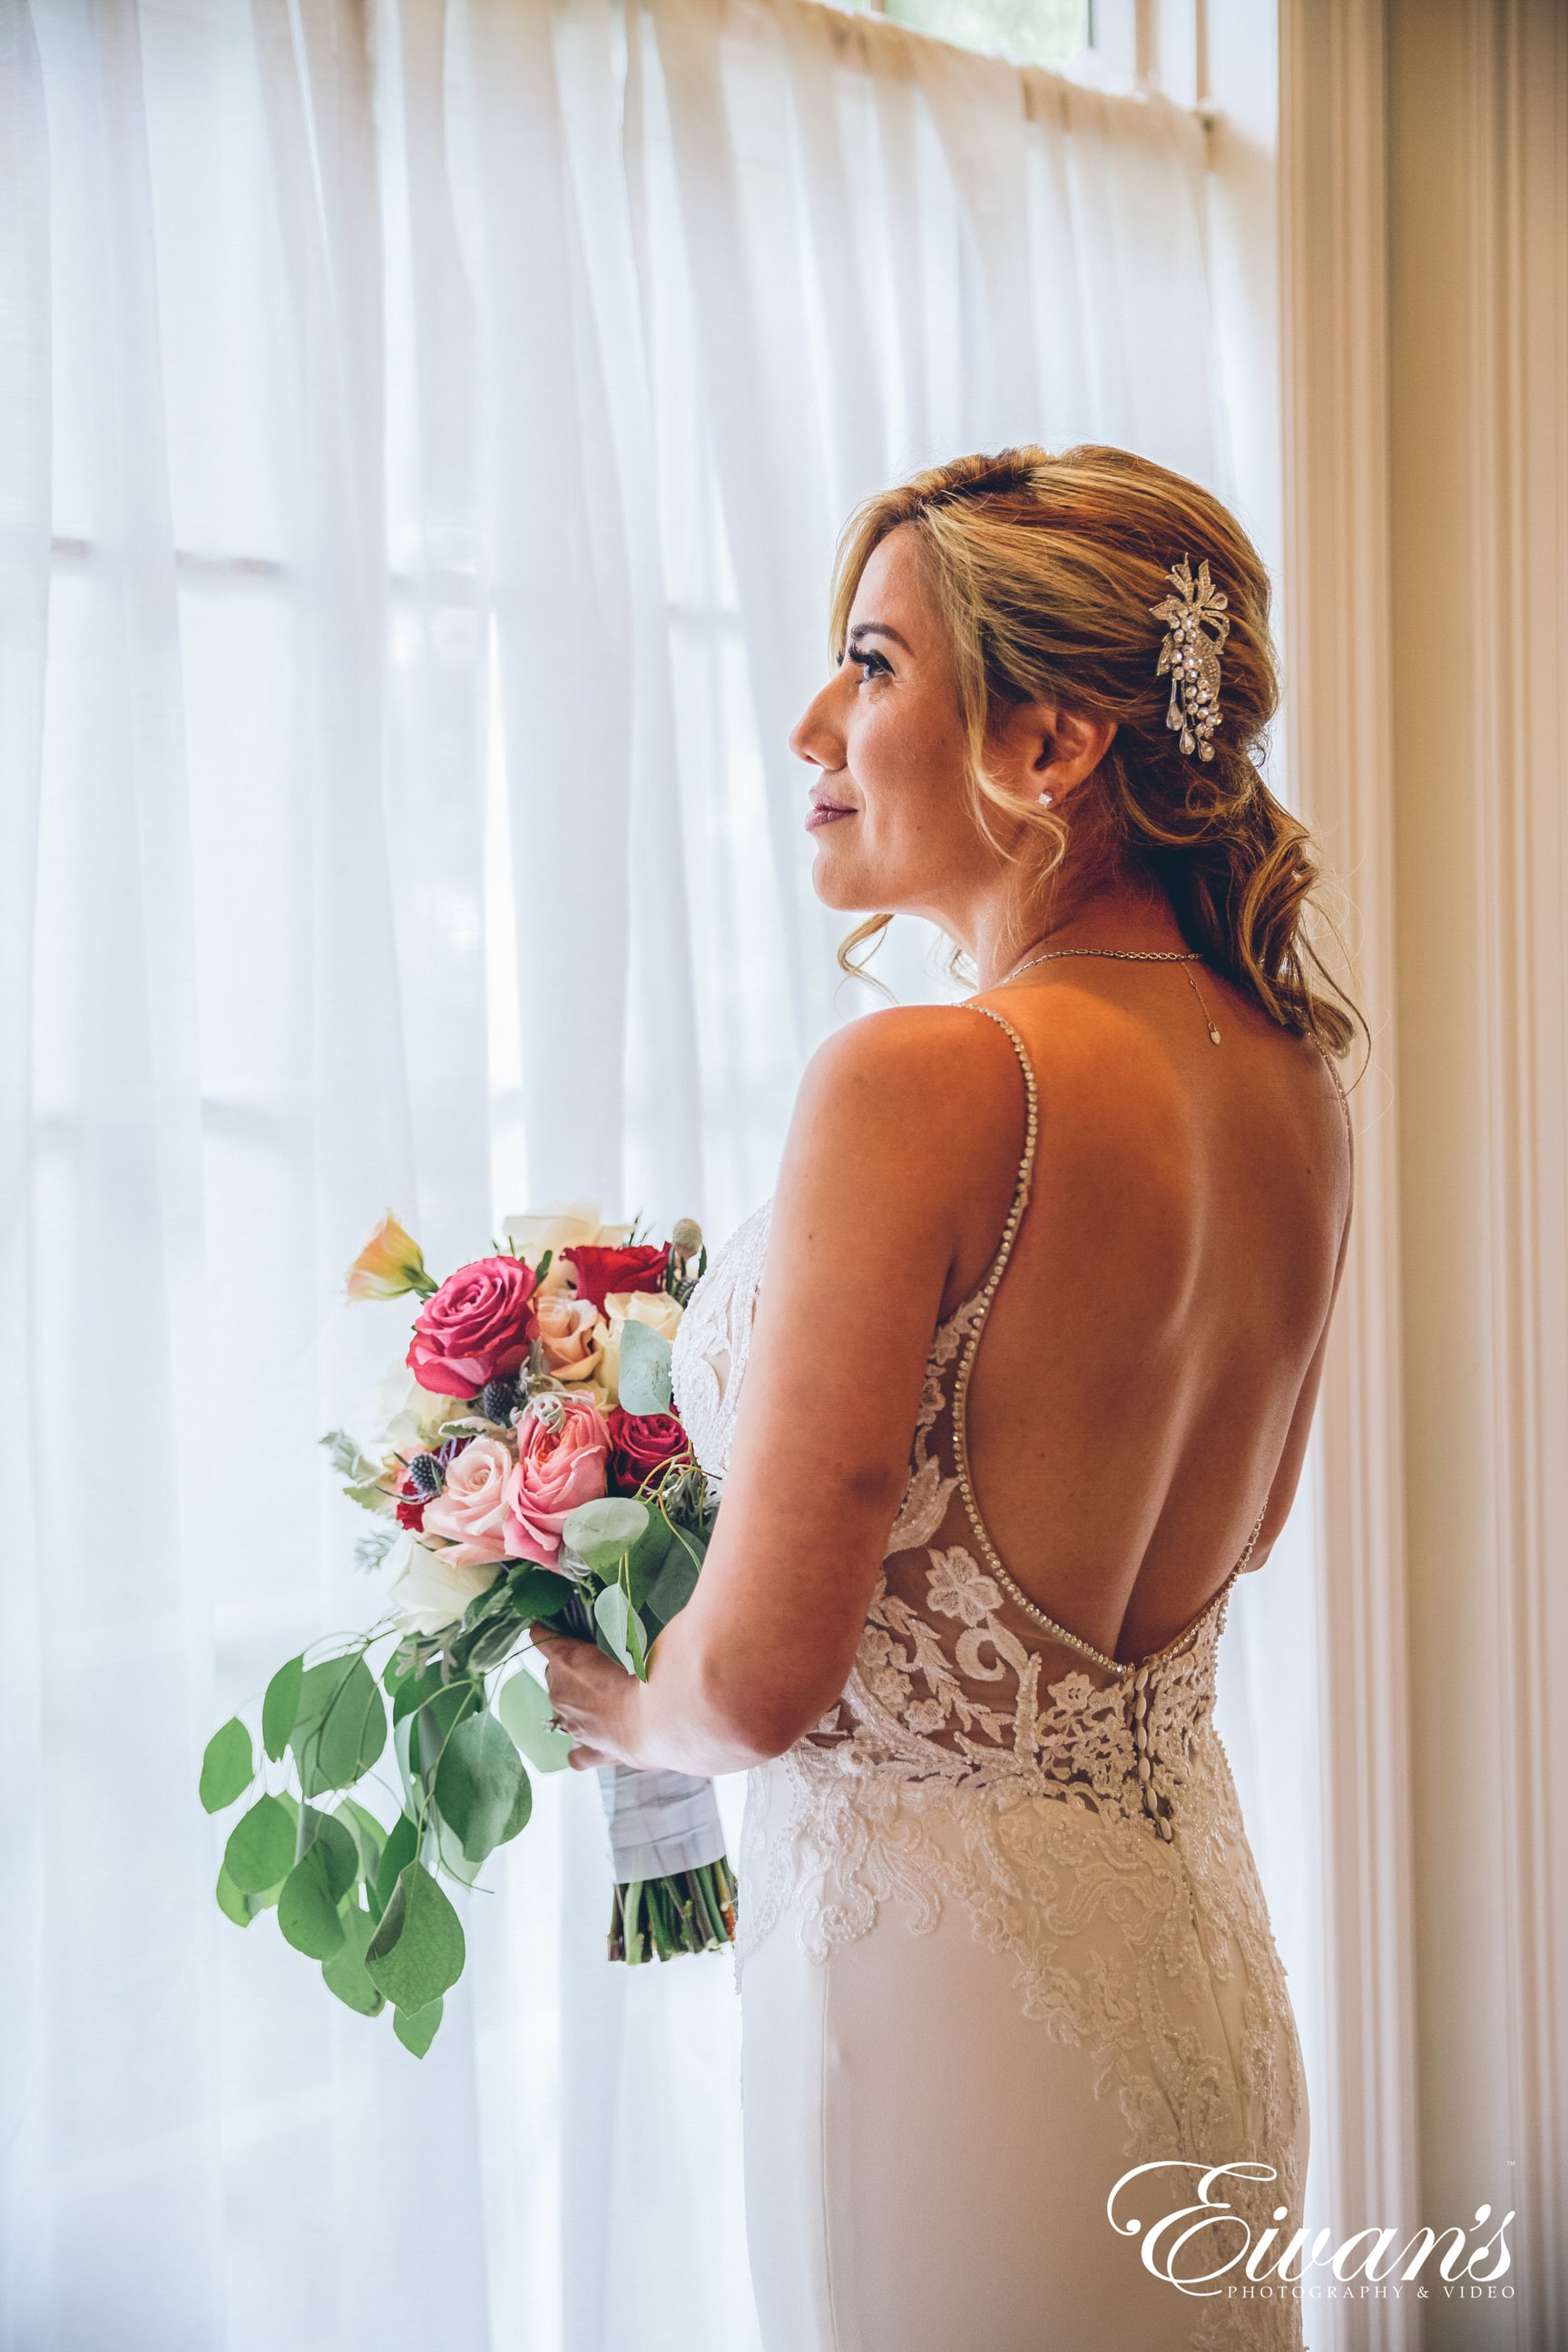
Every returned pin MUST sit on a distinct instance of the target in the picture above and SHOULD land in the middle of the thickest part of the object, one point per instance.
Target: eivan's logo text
(1209, 2248)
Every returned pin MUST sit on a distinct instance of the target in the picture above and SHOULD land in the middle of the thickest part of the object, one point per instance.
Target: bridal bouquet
(529, 1470)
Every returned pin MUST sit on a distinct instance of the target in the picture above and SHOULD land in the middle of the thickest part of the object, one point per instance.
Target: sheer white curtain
(423, 433)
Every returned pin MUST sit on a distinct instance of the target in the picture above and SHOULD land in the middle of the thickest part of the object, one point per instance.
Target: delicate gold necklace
(1125, 955)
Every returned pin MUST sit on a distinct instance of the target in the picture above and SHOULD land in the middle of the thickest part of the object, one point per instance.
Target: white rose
(432, 1593)
(656, 1308)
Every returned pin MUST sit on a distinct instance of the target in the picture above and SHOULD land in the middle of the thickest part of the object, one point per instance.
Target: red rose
(641, 1443)
(600, 1271)
(478, 1327)
(411, 1512)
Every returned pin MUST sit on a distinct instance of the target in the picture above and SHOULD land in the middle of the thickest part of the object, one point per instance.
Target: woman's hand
(594, 1700)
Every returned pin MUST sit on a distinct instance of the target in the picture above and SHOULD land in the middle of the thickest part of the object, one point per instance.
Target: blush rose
(470, 1509)
(560, 1458)
(478, 1327)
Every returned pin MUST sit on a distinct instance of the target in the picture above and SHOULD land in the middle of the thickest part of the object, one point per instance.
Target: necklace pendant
(1213, 1035)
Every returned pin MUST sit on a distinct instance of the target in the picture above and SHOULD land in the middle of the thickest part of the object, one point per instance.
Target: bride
(1004, 1389)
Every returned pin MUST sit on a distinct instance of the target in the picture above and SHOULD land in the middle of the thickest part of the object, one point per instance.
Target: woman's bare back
(1151, 1360)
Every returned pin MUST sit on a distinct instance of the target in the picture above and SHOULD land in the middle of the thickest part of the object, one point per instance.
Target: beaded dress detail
(1079, 1809)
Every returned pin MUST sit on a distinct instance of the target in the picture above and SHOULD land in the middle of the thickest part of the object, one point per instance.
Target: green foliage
(415, 1691)
(402, 1845)
(261, 1846)
(481, 1788)
(344, 1972)
(644, 1380)
(620, 1630)
(345, 1457)
(281, 1707)
(417, 1951)
(228, 1766)
(338, 1844)
(241, 1908)
(601, 1534)
(524, 1705)
(539, 1595)
(674, 1585)
(340, 1727)
(436, 1721)
(307, 1909)
(416, 2029)
(368, 1835)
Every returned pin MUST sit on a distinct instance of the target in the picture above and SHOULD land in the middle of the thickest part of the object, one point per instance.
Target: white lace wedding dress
(1001, 1939)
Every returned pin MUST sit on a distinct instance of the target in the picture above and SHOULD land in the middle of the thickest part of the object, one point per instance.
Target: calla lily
(390, 1263)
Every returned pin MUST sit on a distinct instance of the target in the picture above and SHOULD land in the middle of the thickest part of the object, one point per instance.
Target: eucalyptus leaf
(395, 1856)
(435, 1723)
(674, 1585)
(481, 1788)
(601, 1534)
(241, 1908)
(416, 2029)
(341, 1726)
(281, 1707)
(417, 1951)
(400, 1666)
(539, 1595)
(524, 1705)
(344, 1971)
(414, 1691)
(449, 1853)
(368, 1836)
(260, 1848)
(337, 1843)
(620, 1632)
(306, 1907)
(228, 1766)
(644, 1378)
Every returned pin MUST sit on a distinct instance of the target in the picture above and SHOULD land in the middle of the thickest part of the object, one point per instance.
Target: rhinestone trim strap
(1136, 1668)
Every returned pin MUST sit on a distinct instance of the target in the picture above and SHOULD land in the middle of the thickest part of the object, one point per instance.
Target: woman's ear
(1042, 752)
(1069, 749)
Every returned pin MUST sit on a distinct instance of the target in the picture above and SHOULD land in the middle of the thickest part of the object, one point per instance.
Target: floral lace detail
(1082, 1814)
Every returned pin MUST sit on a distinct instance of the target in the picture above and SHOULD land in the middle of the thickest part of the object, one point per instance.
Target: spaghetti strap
(1026, 1160)
(975, 1312)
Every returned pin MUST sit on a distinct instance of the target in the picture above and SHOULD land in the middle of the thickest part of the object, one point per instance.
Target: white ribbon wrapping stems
(659, 1823)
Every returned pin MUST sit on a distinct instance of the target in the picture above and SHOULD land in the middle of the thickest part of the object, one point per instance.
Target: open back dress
(1002, 1941)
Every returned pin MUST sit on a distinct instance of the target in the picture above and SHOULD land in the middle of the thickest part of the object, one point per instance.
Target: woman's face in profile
(889, 814)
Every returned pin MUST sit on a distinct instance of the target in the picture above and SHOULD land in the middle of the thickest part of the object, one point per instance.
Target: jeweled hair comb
(1191, 656)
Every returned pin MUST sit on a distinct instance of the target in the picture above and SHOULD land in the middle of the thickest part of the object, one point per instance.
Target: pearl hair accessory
(1191, 658)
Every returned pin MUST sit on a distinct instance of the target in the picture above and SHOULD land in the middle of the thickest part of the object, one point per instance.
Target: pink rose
(561, 1456)
(478, 1327)
(470, 1509)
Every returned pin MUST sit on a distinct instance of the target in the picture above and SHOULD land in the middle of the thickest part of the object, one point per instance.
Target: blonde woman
(1010, 1383)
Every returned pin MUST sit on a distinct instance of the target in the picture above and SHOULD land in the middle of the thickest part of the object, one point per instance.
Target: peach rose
(571, 1335)
(563, 1445)
(470, 1509)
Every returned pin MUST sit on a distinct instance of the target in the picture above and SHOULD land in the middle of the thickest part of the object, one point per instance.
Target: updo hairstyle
(1044, 569)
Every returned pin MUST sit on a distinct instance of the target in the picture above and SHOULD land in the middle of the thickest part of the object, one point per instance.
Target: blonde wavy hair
(1044, 569)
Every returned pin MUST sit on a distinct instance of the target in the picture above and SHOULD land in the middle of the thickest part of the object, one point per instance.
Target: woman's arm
(895, 1115)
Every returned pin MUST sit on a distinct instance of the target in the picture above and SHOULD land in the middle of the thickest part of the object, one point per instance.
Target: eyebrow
(878, 629)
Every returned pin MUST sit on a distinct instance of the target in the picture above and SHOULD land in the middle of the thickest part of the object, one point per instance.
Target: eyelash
(868, 660)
